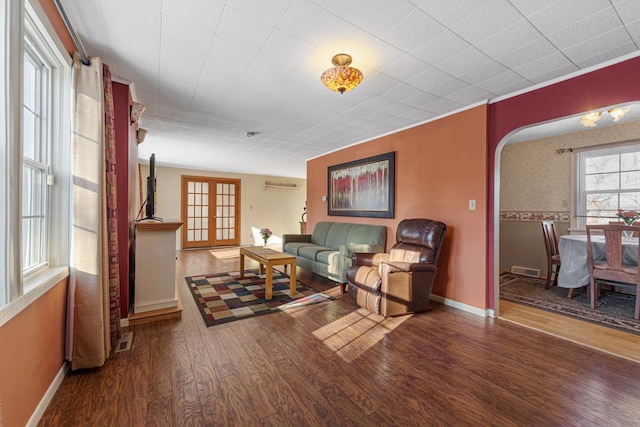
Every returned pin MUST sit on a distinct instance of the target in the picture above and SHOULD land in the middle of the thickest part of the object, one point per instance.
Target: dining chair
(611, 270)
(636, 224)
(553, 255)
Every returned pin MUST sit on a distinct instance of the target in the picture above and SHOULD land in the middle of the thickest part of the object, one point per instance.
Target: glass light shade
(618, 113)
(590, 119)
(136, 111)
(341, 78)
(140, 135)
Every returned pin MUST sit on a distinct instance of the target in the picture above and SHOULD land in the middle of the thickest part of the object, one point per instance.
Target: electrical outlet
(565, 203)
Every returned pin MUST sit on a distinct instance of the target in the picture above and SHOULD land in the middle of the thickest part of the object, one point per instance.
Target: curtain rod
(74, 37)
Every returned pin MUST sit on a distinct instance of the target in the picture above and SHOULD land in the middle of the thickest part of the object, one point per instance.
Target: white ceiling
(209, 71)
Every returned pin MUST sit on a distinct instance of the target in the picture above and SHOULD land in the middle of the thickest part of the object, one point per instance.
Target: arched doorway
(554, 131)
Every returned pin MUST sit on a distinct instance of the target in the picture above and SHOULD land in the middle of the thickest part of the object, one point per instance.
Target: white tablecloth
(574, 270)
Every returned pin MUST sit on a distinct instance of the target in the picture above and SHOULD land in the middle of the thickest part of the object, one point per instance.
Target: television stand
(155, 294)
(154, 218)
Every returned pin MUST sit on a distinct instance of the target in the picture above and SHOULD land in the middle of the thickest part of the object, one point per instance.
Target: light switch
(472, 205)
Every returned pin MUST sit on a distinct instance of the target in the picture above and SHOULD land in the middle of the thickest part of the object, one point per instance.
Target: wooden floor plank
(335, 364)
(598, 337)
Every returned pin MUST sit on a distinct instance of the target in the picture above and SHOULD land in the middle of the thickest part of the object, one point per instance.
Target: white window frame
(17, 291)
(580, 195)
(37, 245)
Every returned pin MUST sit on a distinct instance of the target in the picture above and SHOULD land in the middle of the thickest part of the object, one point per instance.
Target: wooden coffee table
(267, 260)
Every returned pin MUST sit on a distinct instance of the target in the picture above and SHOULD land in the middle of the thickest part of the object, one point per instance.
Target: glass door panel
(209, 211)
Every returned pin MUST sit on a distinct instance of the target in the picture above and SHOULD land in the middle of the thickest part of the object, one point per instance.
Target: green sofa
(327, 251)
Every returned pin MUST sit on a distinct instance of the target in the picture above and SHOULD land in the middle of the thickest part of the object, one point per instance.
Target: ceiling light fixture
(589, 120)
(341, 78)
(618, 113)
(136, 111)
(141, 133)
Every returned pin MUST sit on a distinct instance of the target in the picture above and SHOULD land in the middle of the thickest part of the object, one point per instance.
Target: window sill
(35, 287)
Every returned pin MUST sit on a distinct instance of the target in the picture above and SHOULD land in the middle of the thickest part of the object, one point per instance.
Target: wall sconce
(136, 111)
(141, 134)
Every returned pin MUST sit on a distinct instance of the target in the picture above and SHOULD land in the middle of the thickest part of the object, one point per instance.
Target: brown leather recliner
(399, 282)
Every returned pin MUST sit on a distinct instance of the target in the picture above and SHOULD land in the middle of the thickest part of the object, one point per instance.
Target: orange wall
(32, 343)
(440, 166)
(31, 355)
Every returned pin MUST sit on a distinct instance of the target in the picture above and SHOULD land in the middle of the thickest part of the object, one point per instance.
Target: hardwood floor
(598, 337)
(333, 364)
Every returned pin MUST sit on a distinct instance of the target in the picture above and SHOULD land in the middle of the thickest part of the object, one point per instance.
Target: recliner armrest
(395, 266)
(368, 259)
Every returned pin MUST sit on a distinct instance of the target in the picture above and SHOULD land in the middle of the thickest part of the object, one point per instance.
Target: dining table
(574, 268)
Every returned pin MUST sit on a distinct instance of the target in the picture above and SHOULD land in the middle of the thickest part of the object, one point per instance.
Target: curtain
(93, 306)
(112, 207)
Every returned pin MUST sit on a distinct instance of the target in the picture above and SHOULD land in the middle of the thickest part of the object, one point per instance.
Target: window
(607, 179)
(36, 142)
(34, 157)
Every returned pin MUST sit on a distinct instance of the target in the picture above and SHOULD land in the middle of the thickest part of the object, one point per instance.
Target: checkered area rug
(225, 297)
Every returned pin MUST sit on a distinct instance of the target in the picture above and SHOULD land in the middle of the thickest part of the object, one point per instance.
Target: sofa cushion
(293, 248)
(366, 233)
(338, 233)
(320, 231)
(311, 251)
(327, 257)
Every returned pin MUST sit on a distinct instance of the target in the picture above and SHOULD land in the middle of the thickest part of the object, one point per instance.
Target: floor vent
(125, 342)
(524, 271)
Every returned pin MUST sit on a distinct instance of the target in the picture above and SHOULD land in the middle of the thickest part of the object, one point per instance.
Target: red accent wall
(616, 84)
(440, 166)
(122, 102)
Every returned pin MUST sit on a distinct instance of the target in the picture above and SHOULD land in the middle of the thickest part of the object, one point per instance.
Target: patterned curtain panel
(92, 324)
(112, 207)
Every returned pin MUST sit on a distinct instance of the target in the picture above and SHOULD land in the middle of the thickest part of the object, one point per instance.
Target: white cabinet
(155, 268)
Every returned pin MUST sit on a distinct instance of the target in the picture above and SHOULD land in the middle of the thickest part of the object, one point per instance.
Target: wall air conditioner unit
(525, 271)
(279, 186)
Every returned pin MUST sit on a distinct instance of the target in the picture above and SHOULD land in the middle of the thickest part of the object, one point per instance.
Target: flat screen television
(150, 203)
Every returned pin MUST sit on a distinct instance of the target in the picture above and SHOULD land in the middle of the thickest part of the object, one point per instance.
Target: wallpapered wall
(535, 184)
(536, 179)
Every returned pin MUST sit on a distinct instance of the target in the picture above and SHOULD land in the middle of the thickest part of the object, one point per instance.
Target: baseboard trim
(461, 306)
(48, 396)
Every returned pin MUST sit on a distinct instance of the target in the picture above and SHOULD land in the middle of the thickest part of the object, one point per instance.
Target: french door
(210, 211)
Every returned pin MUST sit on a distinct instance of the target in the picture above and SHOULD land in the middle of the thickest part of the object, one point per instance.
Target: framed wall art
(364, 187)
